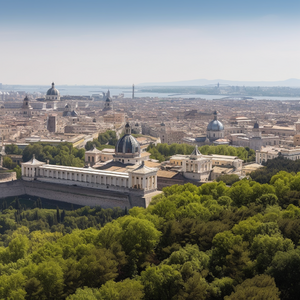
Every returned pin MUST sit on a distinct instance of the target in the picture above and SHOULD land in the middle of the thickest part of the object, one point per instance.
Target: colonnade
(86, 176)
(144, 182)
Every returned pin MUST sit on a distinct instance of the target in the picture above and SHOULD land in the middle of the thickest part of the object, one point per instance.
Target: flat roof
(84, 170)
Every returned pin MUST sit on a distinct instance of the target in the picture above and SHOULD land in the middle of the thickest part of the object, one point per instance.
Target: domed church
(52, 94)
(128, 150)
(215, 129)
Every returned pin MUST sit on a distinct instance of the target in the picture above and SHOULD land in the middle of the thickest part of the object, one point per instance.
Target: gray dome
(128, 145)
(53, 91)
(215, 125)
(256, 125)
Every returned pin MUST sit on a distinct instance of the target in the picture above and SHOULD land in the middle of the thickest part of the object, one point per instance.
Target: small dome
(53, 91)
(108, 100)
(127, 125)
(256, 125)
(128, 145)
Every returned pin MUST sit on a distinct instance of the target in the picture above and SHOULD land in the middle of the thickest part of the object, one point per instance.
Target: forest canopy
(209, 242)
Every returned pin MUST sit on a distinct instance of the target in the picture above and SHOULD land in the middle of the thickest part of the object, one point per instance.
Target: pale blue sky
(121, 42)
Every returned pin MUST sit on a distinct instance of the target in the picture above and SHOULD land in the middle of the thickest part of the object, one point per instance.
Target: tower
(52, 123)
(108, 102)
(133, 91)
(26, 107)
(127, 129)
(256, 132)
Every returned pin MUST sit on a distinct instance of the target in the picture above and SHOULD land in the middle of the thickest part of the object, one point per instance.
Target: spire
(196, 153)
(53, 85)
(133, 91)
(215, 115)
(108, 94)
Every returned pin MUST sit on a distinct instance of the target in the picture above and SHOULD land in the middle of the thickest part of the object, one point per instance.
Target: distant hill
(292, 82)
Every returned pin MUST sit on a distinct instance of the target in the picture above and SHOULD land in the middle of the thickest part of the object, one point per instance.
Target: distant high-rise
(133, 91)
(52, 123)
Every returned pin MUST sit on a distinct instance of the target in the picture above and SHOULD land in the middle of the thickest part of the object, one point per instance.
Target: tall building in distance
(133, 91)
(52, 123)
(26, 107)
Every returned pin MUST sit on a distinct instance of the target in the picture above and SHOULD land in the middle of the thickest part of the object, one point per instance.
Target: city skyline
(120, 43)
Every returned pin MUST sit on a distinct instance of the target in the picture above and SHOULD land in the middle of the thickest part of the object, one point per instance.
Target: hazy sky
(124, 42)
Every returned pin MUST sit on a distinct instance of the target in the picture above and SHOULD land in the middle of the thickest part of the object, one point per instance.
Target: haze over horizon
(120, 43)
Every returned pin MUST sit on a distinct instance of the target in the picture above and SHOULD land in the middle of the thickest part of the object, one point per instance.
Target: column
(144, 186)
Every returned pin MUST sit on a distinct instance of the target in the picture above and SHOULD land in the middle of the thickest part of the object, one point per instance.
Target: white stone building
(202, 168)
(131, 175)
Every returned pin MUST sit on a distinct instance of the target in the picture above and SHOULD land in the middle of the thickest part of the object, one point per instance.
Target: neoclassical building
(201, 168)
(197, 166)
(126, 174)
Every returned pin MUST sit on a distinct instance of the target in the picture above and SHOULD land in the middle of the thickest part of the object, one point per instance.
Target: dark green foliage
(107, 139)
(8, 163)
(228, 179)
(260, 287)
(163, 152)
(63, 154)
(273, 166)
(12, 149)
(285, 268)
(210, 242)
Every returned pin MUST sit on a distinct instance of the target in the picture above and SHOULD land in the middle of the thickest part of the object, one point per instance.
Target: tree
(161, 283)
(138, 237)
(97, 267)
(12, 149)
(123, 290)
(265, 247)
(8, 163)
(285, 268)
(18, 171)
(50, 274)
(228, 179)
(260, 287)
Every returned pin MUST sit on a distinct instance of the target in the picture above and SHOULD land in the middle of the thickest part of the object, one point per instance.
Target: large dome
(215, 125)
(53, 91)
(128, 145)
